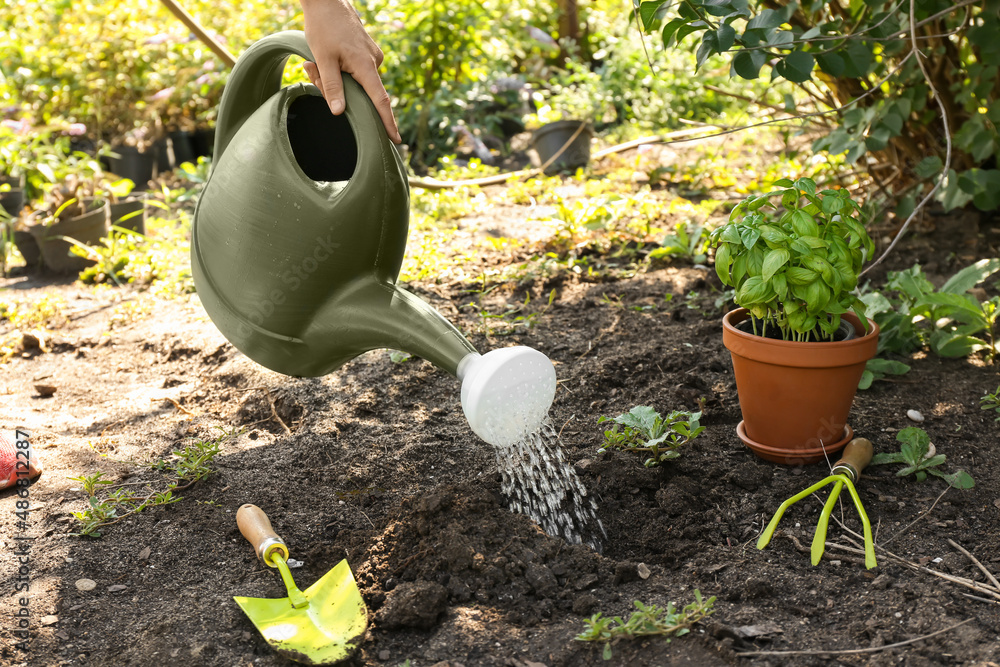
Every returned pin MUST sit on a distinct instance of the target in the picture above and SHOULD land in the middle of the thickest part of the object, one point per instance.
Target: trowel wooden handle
(856, 456)
(256, 528)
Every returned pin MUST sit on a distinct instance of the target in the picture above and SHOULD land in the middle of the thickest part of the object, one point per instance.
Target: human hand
(339, 43)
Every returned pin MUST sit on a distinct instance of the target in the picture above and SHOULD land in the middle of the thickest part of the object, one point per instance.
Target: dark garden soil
(376, 464)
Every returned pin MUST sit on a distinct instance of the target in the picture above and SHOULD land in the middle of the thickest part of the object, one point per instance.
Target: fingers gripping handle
(256, 528)
(856, 456)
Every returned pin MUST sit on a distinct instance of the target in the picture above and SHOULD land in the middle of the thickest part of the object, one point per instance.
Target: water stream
(540, 484)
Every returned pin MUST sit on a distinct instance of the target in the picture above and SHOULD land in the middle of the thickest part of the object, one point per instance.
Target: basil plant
(795, 268)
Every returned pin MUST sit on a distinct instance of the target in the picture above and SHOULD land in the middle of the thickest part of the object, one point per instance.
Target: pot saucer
(794, 457)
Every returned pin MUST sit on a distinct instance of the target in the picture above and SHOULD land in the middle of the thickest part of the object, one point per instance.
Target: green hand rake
(845, 472)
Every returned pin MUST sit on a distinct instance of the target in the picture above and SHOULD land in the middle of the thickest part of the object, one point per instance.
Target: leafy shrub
(850, 50)
(953, 322)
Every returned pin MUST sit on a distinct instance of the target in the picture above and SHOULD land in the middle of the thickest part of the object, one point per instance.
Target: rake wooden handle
(856, 456)
(256, 528)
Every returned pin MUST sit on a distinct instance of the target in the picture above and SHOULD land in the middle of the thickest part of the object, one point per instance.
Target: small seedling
(647, 620)
(877, 369)
(991, 402)
(398, 357)
(915, 453)
(644, 430)
(186, 467)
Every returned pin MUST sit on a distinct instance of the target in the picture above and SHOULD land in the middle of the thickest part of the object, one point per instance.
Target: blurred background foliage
(129, 71)
(478, 72)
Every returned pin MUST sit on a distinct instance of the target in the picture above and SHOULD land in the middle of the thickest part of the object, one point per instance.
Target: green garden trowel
(845, 472)
(298, 238)
(321, 626)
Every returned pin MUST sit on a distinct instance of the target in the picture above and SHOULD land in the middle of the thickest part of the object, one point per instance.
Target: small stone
(643, 571)
(384, 655)
(531, 663)
(117, 588)
(86, 584)
(62, 634)
(914, 415)
(144, 554)
(51, 619)
(45, 390)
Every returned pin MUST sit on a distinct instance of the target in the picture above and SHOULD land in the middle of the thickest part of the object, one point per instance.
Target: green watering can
(299, 235)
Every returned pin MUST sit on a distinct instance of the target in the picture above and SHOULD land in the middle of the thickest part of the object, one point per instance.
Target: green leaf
(928, 167)
(971, 276)
(857, 59)
(723, 257)
(648, 12)
(766, 20)
(887, 457)
(878, 138)
(916, 438)
(894, 122)
(749, 236)
(718, 7)
(707, 48)
(773, 261)
(670, 30)
(956, 346)
(867, 377)
(807, 185)
(953, 197)
(780, 286)
(797, 66)
(830, 205)
(958, 480)
(831, 63)
(641, 418)
(954, 303)
(750, 292)
(887, 366)
(724, 37)
(747, 64)
(803, 224)
(798, 275)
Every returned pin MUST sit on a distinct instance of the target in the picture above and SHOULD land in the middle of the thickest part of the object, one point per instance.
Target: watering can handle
(856, 456)
(256, 528)
(257, 76)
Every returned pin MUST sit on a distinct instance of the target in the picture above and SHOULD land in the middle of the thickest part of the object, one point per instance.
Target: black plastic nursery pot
(12, 200)
(203, 142)
(182, 146)
(549, 139)
(88, 229)
(129, 214)
(28, 247)
(136, 166)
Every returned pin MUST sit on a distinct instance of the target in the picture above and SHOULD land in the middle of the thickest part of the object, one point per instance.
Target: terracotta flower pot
(795, 397)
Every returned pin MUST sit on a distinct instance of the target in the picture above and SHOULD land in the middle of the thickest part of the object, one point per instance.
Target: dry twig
(859, 651)
(982, 568)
